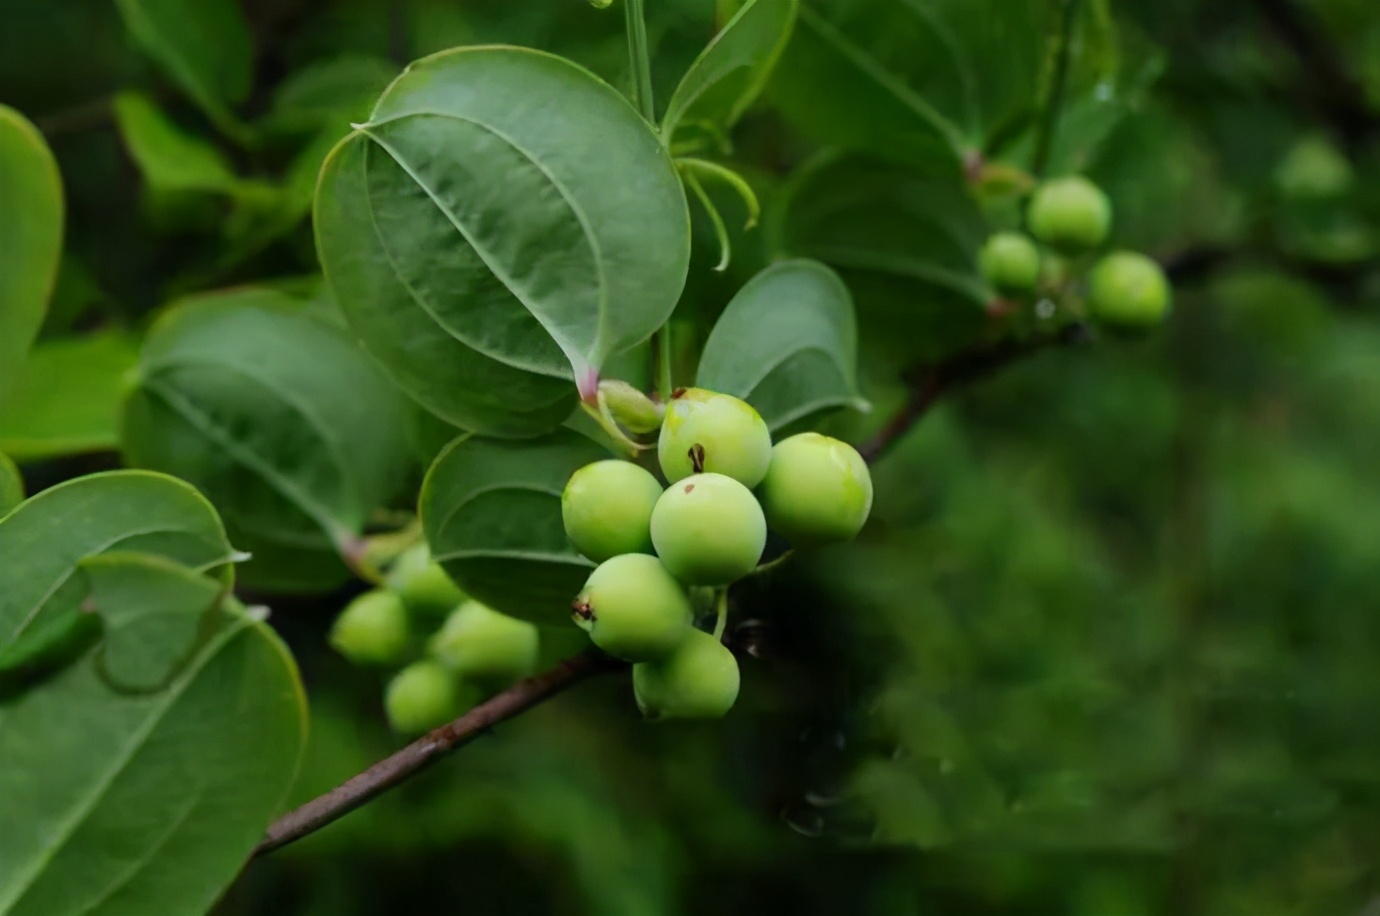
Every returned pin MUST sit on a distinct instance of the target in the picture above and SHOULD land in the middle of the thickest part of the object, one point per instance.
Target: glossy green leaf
(730, 73)
(11, 485)
(491, 510)
(279, 418)
(43, 541)
(169, 158)
(787, 344)
(119, 802)
(504, 221)
(204, 46)
(31, 213)
(67, 397)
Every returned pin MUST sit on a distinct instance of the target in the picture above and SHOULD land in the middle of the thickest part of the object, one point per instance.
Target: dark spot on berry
(678, 392)
(689, 487)
(582, 609)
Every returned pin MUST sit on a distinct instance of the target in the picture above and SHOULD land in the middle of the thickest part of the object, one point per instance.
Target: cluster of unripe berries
(726, 486)
(449, 651)
(1072, 216)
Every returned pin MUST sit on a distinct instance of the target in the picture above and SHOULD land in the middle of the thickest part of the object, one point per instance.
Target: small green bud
(698, 681)
(706, 431)
(634, 609)
(423, 585)
(372, 630)
(607, 509)
(1010, 262)
(817, 490)
(1128, 290)
(1070, 214)
(425, 695)
(634, 410)
(480, 644)
(709, 530)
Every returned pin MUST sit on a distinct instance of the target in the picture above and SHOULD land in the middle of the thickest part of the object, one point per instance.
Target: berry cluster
(1071, 216)
(445, 668)
(726, 486)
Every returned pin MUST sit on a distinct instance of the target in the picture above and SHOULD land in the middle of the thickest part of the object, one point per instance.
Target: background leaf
(279, 418)
(787, 344)
(67, 397)
(11, 485)
(127, 803)
(170, 158)
(491, 510)
(30, 238)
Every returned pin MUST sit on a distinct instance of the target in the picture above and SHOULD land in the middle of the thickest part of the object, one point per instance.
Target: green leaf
(30, 238)
(11, 485)
(729, 74)
(505, 220)
(333, 92)
(67, 398)
(204, 46)
(787, 344)
(46, 537)
(279, 418)
(170, 158)
(491, 510)
(147, 803)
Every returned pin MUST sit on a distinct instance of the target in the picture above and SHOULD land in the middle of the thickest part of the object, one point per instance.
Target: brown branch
(431, 747)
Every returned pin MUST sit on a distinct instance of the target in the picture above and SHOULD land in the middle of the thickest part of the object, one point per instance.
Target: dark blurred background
(1111, 645)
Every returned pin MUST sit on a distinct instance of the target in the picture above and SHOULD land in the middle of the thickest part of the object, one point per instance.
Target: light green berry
(1010, 262)
(698, 681)
(633, 608)
(423, 585)
(425, 695)
(607, 509)
(372, 630)
(709, 530)
(478, 643)
(731, 436)
(1070, 214)
(1128, 290)
(817, 490)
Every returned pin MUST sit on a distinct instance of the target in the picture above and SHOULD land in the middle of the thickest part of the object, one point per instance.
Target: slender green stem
(600, 414)
(661, 348)
(721, 609)
(715, 219)
(1054, 100)
(773, 564)
(688, 165)
(640, 60)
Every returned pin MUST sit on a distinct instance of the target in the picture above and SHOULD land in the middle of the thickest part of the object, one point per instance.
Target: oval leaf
(787, 344)
(43, 541)
(491, 510)
(125, 803)
(729, 74)
(504, 220)
(30, 238)
(11, 485)
(279, 418)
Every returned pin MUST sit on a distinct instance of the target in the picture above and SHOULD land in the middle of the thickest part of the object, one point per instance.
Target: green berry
(1010, 262)
(1314, 170)
(733, 437)
(607, 509)
(372, 630)
(634, 609)
(478, 643)
(423, 585)
(424, 695)
(1070, 214)
(817, 490)
(1128, 290)
(709, 530)
(697, 681)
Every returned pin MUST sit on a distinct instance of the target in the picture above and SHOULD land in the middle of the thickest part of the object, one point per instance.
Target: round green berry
(709, 530)
(1128, 290)
(697, 681)
(372, 630)
(423, 585)
(423, 696)
(706, 431)
(1314, 169)
(1070, 214)
(478, 643)
(634, 609)
(817, 490)
(1010, 262)
(607, 509)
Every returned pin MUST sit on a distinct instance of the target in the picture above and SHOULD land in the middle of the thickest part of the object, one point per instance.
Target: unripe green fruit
(1128, 290)
(709, 530)
(1314, 169)
(423, 585)
(1010, 262)
(817, 490)
(698, 681)
(423, 696)
(634, 609)
(478, 643)
(372, 630)
(607, 509)
(1071, 214)
(734, 437)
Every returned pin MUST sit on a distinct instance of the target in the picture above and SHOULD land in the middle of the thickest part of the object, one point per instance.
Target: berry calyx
(1010, 262)
(699, 680)
(709, 530)
(1070, 214)
(372, 630)
(707, 431)
(424, 695)
(817, 491)
(633, 608)
(1128, 290)
(607, 509)
(478, 643)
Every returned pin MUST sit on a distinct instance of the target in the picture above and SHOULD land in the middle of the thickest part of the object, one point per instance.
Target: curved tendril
(720, 231)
